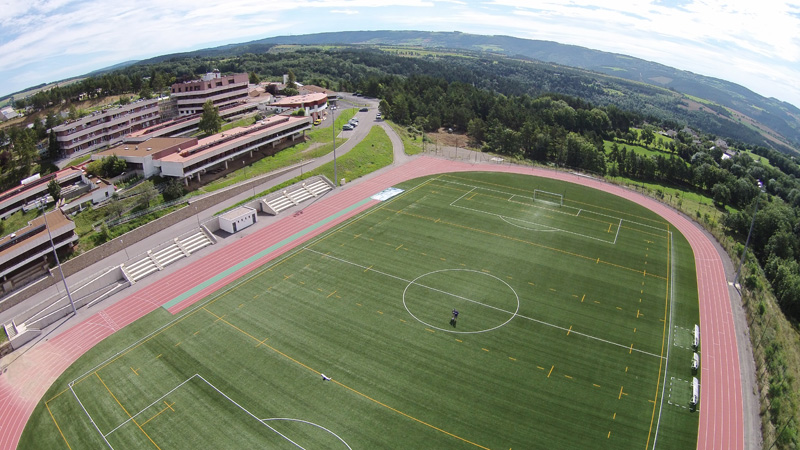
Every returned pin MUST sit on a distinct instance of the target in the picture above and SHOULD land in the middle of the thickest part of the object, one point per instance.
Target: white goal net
(550, 197)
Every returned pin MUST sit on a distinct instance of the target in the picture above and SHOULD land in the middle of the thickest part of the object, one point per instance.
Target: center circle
(484, 301)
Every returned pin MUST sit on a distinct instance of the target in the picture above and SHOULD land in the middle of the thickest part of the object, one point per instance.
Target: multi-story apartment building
(190, 158)
(190, 96)
(25, 255)
(106, 127)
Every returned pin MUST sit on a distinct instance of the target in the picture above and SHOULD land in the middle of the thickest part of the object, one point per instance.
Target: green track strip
(261, 254)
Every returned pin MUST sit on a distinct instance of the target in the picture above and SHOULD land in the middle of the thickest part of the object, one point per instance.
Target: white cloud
(734, 39)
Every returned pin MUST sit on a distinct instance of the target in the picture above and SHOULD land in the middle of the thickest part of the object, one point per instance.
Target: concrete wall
(82, 295)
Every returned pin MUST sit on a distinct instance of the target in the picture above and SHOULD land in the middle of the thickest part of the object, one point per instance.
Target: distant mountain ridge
(782, 117)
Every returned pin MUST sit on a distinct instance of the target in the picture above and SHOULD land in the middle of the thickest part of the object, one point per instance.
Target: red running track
(721, 422)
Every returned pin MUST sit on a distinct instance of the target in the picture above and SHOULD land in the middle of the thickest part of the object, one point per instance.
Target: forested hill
(779, 116)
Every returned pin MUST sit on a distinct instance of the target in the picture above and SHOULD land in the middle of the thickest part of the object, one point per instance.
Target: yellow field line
(478, 230)
(410, 416)
(59, 428)
(571, 201)
(126, 411)
(159, 413)
(353, 390)
(224, 294)
(663, 343)
(220, 319)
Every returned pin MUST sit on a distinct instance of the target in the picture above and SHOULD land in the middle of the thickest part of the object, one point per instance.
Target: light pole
(749, 233)
(42, 204)
(333, 132)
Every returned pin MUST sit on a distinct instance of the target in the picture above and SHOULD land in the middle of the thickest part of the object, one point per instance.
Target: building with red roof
(190, 158)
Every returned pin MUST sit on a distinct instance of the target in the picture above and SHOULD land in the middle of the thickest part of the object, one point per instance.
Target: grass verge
(371, 154)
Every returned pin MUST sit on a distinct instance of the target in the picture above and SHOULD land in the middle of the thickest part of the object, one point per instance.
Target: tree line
(521, 109)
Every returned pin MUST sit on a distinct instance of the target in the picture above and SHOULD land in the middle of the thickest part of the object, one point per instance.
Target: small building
(314, 104)
(102, 190)
(8, 113)
(333, 96)
(237, 219)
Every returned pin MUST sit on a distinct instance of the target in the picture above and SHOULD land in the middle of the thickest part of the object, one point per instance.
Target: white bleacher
(168, 255)
(155, 261)
(280, 203)
(141, 268)
(296, 194)
(195, 242)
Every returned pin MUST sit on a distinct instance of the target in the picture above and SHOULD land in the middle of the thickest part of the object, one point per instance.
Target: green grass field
(567, 316)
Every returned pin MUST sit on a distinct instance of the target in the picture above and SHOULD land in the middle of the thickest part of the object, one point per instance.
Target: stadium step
(298, 193)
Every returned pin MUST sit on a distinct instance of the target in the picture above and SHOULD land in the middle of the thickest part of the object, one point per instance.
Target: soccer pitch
(573, 332)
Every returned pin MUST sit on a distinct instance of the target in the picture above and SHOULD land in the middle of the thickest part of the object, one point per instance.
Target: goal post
(550, 197)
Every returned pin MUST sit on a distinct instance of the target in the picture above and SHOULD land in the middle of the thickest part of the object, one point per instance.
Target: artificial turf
(567, 316)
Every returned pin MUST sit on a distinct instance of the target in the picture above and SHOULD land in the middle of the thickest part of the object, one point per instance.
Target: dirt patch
(5, 348)
(444, 138)
(312, 147)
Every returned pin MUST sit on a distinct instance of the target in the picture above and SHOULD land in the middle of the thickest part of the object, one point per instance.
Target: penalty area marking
(307, 423)
(198, 376)
(528, 224)
(414, 282)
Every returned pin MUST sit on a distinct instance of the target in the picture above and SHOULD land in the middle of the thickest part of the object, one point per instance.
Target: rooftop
(301, 99)
(148, 147)
(55, 220)
(211, 143)
(237, 212)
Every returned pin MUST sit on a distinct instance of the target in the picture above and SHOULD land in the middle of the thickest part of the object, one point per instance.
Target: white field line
(555, 229)
(459, 198)
(412, 282)
(506, 219)
(310, 423)
(619, 227)
(669, 336)
(248, 412)
(151, 404)
(372, 269)
(234, 285)
(75, 394)
(615, 218)
(262, 421)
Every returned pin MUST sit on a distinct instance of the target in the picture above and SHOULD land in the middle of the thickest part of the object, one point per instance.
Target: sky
(752, 43)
